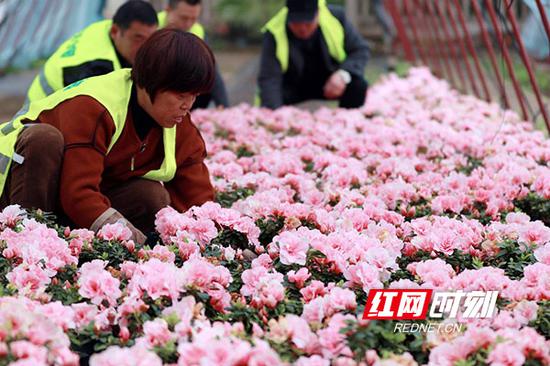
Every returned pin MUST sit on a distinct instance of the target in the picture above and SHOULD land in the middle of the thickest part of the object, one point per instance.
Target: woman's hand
(112, 216)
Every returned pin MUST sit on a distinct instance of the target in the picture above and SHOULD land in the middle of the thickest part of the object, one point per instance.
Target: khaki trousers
(35, 182)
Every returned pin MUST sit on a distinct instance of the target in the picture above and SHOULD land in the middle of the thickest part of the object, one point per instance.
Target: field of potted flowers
(421, 188)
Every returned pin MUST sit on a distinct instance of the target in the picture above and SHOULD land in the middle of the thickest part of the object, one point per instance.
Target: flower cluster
(33, 334)
(420, 188)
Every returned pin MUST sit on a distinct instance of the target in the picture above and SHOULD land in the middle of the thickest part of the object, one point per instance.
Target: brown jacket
(88, 170)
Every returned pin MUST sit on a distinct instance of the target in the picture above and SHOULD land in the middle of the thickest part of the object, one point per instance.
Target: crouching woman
(97, 151)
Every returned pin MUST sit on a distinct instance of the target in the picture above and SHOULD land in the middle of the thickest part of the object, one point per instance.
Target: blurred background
(455, 38)
(31, 30)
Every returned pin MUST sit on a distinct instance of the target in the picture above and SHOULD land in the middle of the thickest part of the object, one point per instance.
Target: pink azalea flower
(203, 230)
(65, 357)
(59, 314)
(300, 333)
(187, 248)
(83, 314)
(37, 244)
(505, 355)
(312, 361)
(156, 332)
(517, 218)
(314, 289)
(97, 284)
(114, 232)
(445, 203)
(364, 276)
(215, 352)
(157, 279)
(332, 339)
(534, 233)
(299, 277)
(162, 253)
(542, 185)
(314, 310)
(341, 299)
(32, 337)
(543, 254)
(30, 279)
(526, 311)
(11, 215)
(201, 274)
(263, 355)
(117, 356)
(264, 287)
(263, 260)
(78, 239)
(292, 248)
(27, 350)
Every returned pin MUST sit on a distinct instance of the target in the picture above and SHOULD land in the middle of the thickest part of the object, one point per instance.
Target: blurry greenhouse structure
(32, 29)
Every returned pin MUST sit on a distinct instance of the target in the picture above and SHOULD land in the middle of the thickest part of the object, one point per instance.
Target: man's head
(171, 69)
(303, 18)
(182, 14)
(133, 23)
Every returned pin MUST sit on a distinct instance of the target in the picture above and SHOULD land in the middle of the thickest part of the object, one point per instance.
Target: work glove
(112, 216)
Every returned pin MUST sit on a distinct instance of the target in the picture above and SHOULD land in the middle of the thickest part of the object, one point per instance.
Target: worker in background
(184, 15)
(98, 49)
(116, 147)
(310, 51)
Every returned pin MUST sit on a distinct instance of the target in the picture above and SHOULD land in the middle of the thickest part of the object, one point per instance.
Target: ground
(239, 68)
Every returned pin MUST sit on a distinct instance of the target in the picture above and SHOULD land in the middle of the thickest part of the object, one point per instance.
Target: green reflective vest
(197, 29)
(113, 91)
(92, 43)
(331, 28)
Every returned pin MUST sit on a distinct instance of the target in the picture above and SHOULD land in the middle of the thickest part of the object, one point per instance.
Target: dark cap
(302, 10)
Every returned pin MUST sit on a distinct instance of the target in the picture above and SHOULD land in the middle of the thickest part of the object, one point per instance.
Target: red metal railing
(449, 35)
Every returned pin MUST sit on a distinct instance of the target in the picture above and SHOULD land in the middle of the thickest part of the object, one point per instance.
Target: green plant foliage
(168, 353)
(380, 336)
(537, 207)
(471, 165)
(542, 322)
(228, 198)
(244, 152)
(114, 252)
(63, 288)
(87, 341)
(511, 258)
(241, 313)
(269, 228)
(231, 238)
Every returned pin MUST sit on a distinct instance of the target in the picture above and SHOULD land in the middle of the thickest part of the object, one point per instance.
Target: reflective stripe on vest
(113, 91)
(331, 28)
(92, 43)
(197, 29)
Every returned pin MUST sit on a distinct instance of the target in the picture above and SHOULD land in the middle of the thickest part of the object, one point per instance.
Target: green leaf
(227, 198)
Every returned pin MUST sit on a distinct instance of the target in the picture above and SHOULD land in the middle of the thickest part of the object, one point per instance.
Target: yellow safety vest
(92, 43)
(113, 91)
(331, 28)
(197, 29)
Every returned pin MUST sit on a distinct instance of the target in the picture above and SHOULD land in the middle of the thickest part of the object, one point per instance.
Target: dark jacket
(219, 92)
(272, 81)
